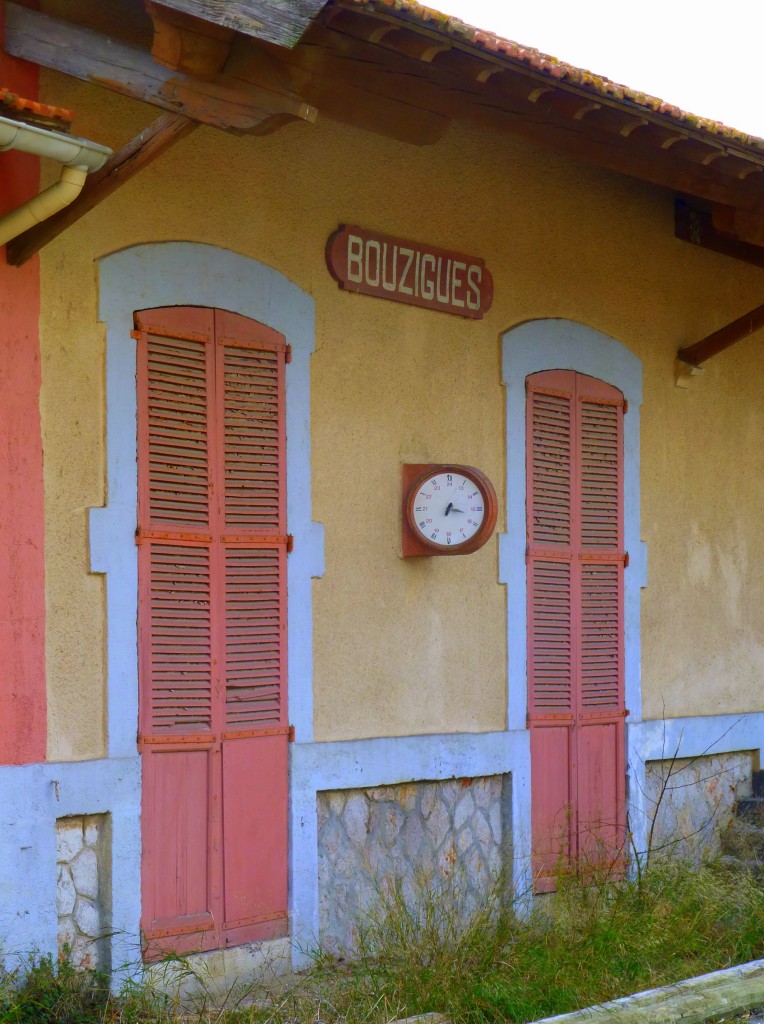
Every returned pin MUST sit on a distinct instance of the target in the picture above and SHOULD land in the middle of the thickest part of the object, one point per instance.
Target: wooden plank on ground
(695, 1001)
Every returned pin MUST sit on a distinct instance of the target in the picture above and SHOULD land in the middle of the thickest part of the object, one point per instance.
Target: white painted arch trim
(564, 345)
(178, 274)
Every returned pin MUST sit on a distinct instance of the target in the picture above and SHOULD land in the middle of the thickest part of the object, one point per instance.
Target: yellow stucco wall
(413, 647)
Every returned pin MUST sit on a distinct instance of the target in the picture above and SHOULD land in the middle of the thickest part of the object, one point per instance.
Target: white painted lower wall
(33, 797)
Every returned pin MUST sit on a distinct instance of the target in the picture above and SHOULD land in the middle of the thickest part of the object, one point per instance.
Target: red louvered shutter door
(176, 626)
(250, 397)
(600, 717)
(550, 620)
(212, 620)
(575, 625)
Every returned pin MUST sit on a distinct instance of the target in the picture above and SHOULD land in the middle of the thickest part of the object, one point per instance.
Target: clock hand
(449, 507)
(459, 510)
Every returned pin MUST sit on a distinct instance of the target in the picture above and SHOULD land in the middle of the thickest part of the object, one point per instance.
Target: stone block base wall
(415, 833)
(83, 897)
(698, 801)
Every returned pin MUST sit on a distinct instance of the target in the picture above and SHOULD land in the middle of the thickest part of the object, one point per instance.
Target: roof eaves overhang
(546, 101)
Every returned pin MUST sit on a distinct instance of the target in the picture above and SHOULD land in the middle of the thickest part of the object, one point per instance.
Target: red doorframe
(575, 563)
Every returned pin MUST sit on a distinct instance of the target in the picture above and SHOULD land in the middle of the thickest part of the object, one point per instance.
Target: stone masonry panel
(414, 833)
(82, 896)
(692, 800)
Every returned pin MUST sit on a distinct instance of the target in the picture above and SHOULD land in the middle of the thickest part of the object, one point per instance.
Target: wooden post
(121, 167)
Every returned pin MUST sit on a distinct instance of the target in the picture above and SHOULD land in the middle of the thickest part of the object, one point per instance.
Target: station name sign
(421, 275)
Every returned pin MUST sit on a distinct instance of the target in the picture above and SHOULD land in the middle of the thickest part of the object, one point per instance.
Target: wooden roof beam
(282, 22)
(75, 51)
(745, 227)
(187, 44)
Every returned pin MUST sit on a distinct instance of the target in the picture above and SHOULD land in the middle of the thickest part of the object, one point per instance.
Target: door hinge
(136, 335)
(290, 734)
(290, 543)
(626, 559)
(288, 354)
(138, 537)
(625, 406)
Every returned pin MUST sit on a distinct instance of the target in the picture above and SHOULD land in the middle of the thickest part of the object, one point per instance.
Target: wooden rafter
(119, 168)
(697, 224)
(76, 51)
(746, 325)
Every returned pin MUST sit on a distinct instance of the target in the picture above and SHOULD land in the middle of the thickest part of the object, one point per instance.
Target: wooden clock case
(413, 475)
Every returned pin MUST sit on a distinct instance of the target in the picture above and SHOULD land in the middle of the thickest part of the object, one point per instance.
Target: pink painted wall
(22, 581)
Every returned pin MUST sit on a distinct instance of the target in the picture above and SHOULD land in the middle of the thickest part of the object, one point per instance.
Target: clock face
(447, 509)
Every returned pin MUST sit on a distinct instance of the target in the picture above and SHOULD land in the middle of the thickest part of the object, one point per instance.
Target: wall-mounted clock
(447, 509)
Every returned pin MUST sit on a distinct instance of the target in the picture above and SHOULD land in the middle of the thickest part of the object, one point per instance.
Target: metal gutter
(78, 157)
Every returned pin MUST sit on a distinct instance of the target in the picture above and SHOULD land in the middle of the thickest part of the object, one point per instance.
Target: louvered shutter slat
(177, 372)
(550, 425)
(600, 636)
(180, 645)
(600, 475)
(177, 578)
(601, 528)
(549, 579)
(550, 631)
(255, 653)
(254, 428)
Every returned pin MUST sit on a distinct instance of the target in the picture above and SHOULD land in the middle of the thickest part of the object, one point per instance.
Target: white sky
(702, 55)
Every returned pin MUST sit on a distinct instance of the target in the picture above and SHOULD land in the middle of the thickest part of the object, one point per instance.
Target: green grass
(587, 944)
(602, 942)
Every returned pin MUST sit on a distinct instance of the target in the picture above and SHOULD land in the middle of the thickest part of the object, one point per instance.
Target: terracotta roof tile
(32, 109)
(493, 44)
